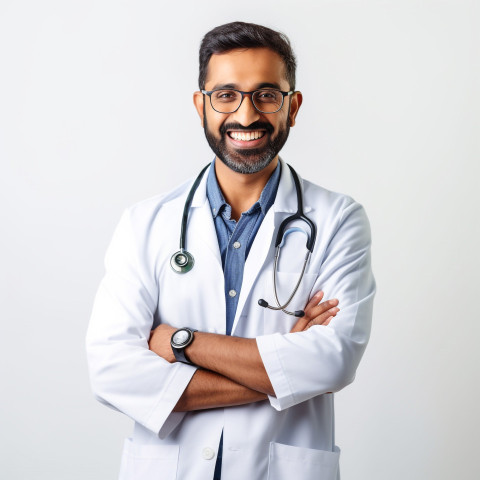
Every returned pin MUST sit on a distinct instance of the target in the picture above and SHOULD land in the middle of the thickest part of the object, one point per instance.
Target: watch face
(181, 337)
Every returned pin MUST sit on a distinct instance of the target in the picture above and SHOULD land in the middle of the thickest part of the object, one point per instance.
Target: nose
(246, 113)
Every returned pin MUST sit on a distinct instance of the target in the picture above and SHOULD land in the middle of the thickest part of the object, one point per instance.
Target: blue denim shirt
(235, 240)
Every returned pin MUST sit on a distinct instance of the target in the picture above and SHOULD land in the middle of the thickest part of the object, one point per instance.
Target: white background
(96, 114)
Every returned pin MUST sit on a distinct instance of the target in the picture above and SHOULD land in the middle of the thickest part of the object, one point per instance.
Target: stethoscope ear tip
(298, 313)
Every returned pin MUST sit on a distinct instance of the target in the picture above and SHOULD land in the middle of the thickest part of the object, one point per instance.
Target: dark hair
(245, 35)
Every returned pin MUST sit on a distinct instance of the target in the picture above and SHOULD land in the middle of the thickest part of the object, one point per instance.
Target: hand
(160, 342)
(316, 313)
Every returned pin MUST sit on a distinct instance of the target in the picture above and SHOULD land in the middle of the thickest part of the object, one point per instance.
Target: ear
(295, 104)
(198, 99)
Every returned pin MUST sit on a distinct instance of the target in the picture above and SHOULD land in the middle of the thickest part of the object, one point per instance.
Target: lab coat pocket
(148, 462)
(286, 462)
(277, 320)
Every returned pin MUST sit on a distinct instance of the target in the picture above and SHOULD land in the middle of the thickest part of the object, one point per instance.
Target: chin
(246, 164)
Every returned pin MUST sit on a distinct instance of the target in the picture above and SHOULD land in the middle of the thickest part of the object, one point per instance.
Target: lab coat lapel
(201, 227)
(263, 245)
(204, 228)
(255, 260)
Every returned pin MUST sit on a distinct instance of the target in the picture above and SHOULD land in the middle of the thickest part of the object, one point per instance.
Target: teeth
(246, 136)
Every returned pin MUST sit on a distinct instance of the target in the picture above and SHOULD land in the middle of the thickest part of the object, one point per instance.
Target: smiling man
(228, 373)
(251, 140)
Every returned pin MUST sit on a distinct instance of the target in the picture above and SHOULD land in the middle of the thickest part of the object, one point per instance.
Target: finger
(317, 310)
(326, 322)
(316, 322)
(320, 313)
(315, 300)
(300, 324)
(302, 321)
(323, 319)
(329, 313)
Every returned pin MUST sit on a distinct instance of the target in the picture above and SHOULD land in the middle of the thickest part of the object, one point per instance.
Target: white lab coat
(291, 436)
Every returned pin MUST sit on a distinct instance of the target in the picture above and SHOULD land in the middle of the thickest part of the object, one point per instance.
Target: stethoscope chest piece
(182, 261)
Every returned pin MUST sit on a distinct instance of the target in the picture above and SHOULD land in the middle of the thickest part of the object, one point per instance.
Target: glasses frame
(284, 94)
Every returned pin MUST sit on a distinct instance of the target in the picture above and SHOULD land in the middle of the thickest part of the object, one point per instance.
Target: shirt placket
(234, 264)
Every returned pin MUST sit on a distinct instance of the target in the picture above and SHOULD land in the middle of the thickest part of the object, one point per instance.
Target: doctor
(218, 386)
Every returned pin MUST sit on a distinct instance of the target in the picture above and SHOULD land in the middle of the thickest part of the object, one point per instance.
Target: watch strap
(180, 355)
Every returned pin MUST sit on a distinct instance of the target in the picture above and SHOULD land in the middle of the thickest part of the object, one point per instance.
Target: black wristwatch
(181, 339)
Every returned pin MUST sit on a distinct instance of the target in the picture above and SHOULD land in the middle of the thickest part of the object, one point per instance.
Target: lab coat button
(208, 453)
(232, 293)
(237, 245)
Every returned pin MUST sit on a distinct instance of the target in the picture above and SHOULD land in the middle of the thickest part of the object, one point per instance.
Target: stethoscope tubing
(297, 313)
(186, 209)
(299, 215)
(182, 261)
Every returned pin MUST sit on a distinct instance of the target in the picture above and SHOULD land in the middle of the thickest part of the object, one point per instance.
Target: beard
(250, 160)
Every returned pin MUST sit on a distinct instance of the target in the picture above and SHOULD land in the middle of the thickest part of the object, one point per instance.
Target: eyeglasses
(265, 100)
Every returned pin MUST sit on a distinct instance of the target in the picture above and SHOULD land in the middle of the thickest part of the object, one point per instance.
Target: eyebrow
(235, 87)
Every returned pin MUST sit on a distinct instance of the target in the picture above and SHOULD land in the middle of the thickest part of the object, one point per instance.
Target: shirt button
(232, 293)
(208, 453)
(237, 245)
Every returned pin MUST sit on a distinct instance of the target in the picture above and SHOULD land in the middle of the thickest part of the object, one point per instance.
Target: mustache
(253, 126)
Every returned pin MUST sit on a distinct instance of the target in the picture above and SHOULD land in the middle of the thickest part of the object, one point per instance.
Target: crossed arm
(232, 372)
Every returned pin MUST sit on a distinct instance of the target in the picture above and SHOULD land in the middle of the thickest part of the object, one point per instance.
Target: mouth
(246, 138)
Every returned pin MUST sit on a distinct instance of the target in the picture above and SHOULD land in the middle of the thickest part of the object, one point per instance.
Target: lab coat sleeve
(325, 358)
(124, 373)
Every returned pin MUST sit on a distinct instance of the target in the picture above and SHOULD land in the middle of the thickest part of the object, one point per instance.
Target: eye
(225, 95)
(267, 96)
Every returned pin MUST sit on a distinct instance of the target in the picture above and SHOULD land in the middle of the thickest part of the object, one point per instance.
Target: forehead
(246, 69)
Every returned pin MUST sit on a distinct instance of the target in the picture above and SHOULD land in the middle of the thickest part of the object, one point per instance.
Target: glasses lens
(226, 101)
(268, 101)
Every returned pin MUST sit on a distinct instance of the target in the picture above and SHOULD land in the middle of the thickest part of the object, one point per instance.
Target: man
(244, 392)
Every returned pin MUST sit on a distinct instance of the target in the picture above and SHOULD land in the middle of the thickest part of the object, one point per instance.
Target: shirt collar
(218, 202)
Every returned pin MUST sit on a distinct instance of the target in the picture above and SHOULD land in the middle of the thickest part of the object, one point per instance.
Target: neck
(242, 190)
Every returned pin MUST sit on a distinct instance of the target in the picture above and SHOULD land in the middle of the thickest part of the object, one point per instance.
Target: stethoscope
(183, 261)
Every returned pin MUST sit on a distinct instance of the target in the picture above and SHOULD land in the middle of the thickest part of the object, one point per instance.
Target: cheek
(213, 124)
(281, 123)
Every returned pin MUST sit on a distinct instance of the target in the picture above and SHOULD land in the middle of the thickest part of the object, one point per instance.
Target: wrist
(195, 348)
(180, 340)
